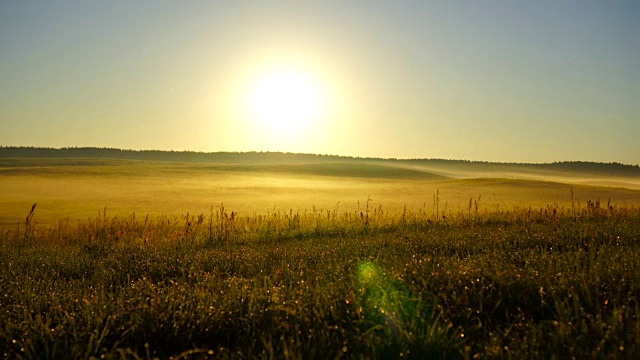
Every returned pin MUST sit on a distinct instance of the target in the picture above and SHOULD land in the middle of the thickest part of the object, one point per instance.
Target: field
(138, 259)
(79, 188)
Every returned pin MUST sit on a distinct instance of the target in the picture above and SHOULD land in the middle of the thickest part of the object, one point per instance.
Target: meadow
(78, 188)
(142, 259)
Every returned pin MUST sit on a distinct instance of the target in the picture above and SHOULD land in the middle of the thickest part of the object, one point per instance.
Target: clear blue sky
(521, 81)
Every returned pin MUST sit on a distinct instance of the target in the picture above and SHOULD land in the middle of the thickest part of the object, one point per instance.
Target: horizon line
(312, 154)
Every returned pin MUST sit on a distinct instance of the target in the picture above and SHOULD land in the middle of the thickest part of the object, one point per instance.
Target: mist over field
(77, 183)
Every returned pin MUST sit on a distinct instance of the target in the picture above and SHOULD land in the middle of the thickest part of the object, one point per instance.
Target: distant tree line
(254, 157)
(161, 155)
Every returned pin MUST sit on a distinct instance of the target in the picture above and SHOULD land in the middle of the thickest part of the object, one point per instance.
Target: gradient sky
(514, 81)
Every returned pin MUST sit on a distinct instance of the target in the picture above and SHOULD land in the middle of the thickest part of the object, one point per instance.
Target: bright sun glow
(286, 102)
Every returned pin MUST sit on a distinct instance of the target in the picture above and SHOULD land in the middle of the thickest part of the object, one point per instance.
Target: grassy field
(77, 189)
(311, 262)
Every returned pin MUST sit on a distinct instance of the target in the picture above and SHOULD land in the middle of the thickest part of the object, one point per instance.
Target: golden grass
(79, 191)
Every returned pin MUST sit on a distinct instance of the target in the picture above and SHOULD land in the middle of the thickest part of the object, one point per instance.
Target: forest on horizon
(254, 157)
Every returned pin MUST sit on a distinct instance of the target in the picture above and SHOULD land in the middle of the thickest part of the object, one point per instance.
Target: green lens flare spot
(367, 272)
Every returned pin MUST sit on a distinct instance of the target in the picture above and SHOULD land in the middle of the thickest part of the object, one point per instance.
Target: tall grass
(526, 283)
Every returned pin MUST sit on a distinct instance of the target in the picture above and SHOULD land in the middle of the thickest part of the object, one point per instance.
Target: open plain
(299, 256)
(77, 186)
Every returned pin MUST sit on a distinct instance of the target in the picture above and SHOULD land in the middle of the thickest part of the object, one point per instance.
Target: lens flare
(382, 299)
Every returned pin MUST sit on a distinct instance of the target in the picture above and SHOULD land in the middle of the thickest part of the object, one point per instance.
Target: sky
(507, 81)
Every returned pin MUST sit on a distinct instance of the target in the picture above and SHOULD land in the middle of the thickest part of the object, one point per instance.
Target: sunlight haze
(508, 81)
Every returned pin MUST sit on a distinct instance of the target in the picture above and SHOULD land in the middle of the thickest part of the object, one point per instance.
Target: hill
(442, 167)
(75, 183)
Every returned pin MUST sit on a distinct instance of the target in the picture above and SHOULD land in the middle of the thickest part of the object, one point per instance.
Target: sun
(286, 101)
